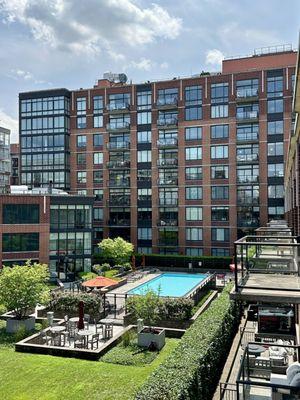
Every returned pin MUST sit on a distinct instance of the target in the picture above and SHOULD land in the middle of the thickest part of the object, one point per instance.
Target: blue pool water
(170, 284)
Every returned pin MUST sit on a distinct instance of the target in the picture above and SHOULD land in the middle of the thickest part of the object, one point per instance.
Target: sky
(71, 43)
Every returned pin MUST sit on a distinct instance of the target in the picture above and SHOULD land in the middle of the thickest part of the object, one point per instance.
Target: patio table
(85, 333)
(74, 319)
(57, 329)
(256, 349)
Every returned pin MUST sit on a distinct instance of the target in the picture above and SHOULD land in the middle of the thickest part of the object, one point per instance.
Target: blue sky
(70, 43)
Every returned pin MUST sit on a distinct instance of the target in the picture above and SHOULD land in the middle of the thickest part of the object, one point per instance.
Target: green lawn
(39, 377)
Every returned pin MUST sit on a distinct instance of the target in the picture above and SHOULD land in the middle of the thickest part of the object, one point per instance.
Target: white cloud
(8, 122)
(26, 76)
(164, 65)
(143, 64)
(214, 57)
(91, 25)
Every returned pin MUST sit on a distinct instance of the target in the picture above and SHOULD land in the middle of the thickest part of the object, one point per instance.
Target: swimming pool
(170, 284)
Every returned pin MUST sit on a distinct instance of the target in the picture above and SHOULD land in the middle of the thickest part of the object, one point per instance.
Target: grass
(202, 301)
(42, 377)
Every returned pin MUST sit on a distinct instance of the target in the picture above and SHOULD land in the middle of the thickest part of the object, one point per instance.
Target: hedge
(193, 369)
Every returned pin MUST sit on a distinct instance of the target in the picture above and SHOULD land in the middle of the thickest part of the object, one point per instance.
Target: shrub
(146, 307)
(192, 370)
(127, 338)
(116, 249)
(68, 303)
(20, 334)
(104, 267)
(87, 275)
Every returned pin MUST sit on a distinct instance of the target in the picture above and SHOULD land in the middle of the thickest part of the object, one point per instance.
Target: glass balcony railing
(244, 93)
(118, 146)
(167, 142)
(246, 115)
(167, 222)
(247, 157)
(167, 101)
(167, 181)
(118, 126)
(248, 201)
(168, 201)
(167, 122)
(248, 179)
(245, 137)
(118, 164)
(122, 182)
(118, 222)
(120, 106)
(117, 201)
(167, 162)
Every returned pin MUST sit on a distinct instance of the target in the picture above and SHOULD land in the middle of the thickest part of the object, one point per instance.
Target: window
(219, 172)
(247, 173)
(81, 141)
(82, 192)
(219, 111)
(220, 213)
(220, 234)
(144, 250)
(81, 105)
(276, 212)
(245, 132)
(81, 158)
(193, 95)
(98, 121)
(98, 158)
(144, 233)
(193, 213)
(144, 137)
(144, 117)
(219, 93)
(275, 170)
(193, 113)
(275, 106)
(144, 175)
(193, 234)
(193, 193)
(98, 176)
(144, 194)
(167, 96)
(98, 104)
(247, 88)
(193, 153)
(219, 152)
(144, 156)
(275, 86)
(99, 194)
(193, 251)
(193, 133)
(19, 242)
(21, 213)
(81, 122)
(275, 191)
(98, 214)
(275, 149)
(81, 176)
(219, 252)
(219, 131)
(219, 192)
(275, 127)
(193, 173)
(247, 152)
(98, 139)
(144, 101)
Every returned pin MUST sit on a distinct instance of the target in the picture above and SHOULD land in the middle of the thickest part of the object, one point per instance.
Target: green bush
(21, 333)
(68, 303)
(179, 261)
(193, 369)
(87, 275)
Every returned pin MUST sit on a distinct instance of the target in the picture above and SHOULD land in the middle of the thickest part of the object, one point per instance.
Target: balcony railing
(168, 242)
(118, 222)
(247, 115)
(167, 162)
(167, 142)
(118, 146)
(248, 223)
(246, 93)
(248, 179)
(168, 202)
(118, 164)
(167, 101)
(167, 182)
(118, 106)
(247, 157)
(248, 201)
(167, 122)
(119, 182)
(247, 137)
(167, 222)
(118, 126)
(119, 201)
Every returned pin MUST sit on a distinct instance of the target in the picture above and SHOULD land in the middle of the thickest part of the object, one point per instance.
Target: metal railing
(119, 201)
(248, 136)
(168, 202)
(119, 182)
(118, 145)
(246, 115)
(247, 157)
(247, 179)
(167, 101)
(119, 106)
(118, 164)
(118, 126)
(167, 142)
(228, 391)
(167, 222)
(167, 181)
(118, 222)
(246, 93)
(166, 162)
(167, 122)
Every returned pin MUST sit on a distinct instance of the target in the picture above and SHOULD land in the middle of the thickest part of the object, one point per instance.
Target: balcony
(167, 182)
(167, 143)
(247, 116)
(167, 222)
(122, 182)
(168, 202)
(248, 201)
(248, 223)
(118, 126)
(247, 157)
(247, 137)
(118, 146)
(118, 164)
(168, 242)
(119, 201)
(166, 102)
(118, 222)
(246, 94)
(247, 179)
(167, 123)
(118, 108)
(167, 162)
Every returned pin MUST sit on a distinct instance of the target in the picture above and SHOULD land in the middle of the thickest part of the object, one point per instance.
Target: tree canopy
(118, 249)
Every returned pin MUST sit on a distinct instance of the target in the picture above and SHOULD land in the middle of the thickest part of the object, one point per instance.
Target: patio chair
(47, 339)
(79, 342)
(56, 339)
(86, 319)
(94, 341)
(66, 318)
(72, 329)
(65, 338)
(108, 331)
(98, 327)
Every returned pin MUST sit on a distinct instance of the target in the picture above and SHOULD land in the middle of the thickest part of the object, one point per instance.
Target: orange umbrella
(99, 282)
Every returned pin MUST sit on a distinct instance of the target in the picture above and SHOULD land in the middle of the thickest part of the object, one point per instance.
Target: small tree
(146, 307)
(118, 249)
(23, 287)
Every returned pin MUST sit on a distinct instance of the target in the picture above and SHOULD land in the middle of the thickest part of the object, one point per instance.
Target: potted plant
(146, 307)
(21, 289)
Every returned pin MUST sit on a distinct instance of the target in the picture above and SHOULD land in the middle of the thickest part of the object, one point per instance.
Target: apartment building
(15, 163)
(4, 160)
(182, 166)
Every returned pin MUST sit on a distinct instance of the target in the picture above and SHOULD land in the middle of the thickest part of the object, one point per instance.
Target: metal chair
(86, 319)
(108, 331)
(47, 339)
(79, 342)
(94, 341)
(98, 327)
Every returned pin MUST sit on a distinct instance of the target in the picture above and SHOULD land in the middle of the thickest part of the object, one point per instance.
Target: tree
(23, 287)
(146, 307)
(118, 249)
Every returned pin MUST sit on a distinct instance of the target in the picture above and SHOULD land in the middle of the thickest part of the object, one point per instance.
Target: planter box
(13, 325)
(145, 338)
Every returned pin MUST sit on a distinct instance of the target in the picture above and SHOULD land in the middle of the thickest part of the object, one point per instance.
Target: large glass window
(81, 176)
(144, 233)
(276, 191)
(193, 101)
(220, 234)
(275, 86)
(81, 141)
(81, 105)
(193, 251)
(98, 104)
(193, 173)
(193, 153)
(144, 100)
(275, 170)
(219, 152)
(219, 252)
(275, 149)
(144, 156)
(219, 111)
(219, 172)
(98, 158)
(220, 214)
(219, 93)
(193, 193)
(247, 88)
(275, 127)
(81, 122)
(19, 242)
(193, 133)
(219, 131)
(219, 192)
(193, 213)
(81, 158)
(20, 213)
(98, 121)
(98, 139)
(275, 106)
(193, 234)
(144, 117)
(144, 137)
(247, 132)
(98, 176)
